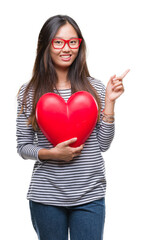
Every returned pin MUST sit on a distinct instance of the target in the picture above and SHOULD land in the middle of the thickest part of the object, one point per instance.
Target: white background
(115, 35)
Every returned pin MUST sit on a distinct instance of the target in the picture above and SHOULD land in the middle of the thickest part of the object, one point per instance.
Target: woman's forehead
(66, 32)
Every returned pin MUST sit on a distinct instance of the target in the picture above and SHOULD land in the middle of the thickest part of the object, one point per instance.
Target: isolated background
(115, 35)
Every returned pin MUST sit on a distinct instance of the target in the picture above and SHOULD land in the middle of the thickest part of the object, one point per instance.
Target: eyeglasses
(73, 43)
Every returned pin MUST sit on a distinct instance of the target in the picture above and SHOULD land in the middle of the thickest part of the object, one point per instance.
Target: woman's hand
(115, 87)
(64, 152)
(114, 90)
(61, 151)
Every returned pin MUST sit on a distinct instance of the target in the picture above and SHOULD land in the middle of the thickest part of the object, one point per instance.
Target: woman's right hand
(64, 152)
(61, 151)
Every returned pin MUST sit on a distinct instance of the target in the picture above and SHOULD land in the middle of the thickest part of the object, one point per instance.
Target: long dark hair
(44, 77)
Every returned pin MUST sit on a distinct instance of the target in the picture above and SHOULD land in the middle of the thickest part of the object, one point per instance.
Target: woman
(68, 185)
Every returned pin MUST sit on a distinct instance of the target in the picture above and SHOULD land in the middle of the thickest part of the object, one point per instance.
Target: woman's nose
(66, 48)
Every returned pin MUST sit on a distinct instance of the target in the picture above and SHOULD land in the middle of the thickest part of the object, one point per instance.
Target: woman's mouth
(65, 57)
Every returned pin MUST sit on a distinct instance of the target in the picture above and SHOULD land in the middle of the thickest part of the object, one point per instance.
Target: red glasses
(73, 43)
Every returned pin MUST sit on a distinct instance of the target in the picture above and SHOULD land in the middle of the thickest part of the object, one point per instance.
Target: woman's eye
(73, 42)
(58, 42)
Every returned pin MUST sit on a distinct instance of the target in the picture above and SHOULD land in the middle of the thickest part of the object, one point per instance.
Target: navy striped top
(60, 183)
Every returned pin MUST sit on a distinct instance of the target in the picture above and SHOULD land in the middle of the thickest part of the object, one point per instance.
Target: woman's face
(63, 58)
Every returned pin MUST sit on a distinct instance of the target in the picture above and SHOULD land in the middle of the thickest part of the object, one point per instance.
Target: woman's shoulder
(22, 91)
(97, 84)
(25, 98)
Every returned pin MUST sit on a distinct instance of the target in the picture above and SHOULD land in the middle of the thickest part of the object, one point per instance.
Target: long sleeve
(105, 131)
(79, 181)
(26, 146)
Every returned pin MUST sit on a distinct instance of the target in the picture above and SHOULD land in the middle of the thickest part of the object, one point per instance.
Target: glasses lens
(58, 43)
(74, 43)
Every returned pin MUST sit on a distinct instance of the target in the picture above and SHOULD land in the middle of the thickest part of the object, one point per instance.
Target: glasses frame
(66, 41)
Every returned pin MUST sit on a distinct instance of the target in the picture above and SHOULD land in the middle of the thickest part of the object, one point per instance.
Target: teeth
(66, 56)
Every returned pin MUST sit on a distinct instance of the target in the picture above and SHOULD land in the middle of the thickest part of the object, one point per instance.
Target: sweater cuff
(107, 123)
(30, 151)
(38, 154)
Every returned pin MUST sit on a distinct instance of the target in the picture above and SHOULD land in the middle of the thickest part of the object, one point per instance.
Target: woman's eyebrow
(63, 38)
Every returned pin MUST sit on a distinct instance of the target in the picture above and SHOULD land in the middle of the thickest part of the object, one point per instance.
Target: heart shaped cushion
(60, 121)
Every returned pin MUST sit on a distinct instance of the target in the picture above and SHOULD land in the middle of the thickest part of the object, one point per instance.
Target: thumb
(111, 80)
(112, 77)
(68, 142)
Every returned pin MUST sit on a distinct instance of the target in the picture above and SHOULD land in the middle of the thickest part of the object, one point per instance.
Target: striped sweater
(60, 183)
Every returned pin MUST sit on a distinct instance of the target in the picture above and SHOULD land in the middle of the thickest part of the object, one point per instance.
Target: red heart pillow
(60, 121)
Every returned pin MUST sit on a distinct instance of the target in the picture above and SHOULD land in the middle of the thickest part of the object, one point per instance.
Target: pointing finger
(122, 76)
(125, 73)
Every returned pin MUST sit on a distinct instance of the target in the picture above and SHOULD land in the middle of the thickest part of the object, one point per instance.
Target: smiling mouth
(66, 57)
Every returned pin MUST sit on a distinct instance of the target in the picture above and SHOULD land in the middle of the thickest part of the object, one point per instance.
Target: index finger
(125, 73)
(70, 141)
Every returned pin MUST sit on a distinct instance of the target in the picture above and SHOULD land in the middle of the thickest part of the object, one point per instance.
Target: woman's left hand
(115, 87)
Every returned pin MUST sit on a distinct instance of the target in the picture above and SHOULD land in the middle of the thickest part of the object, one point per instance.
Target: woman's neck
(63, 82)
